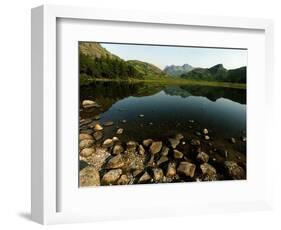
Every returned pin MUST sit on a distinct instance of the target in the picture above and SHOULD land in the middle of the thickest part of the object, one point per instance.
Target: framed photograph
(140, 114)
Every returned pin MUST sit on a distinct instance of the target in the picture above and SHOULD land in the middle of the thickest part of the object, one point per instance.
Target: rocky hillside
(94, 50)
(217, 73)
(177, 71)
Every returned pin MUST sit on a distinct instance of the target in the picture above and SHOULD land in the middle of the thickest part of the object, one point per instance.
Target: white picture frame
(45, 195)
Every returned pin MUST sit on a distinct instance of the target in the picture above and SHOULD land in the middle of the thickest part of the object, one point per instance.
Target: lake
(159, 111)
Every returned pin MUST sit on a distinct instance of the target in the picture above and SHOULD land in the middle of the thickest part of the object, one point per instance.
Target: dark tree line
(107, 67)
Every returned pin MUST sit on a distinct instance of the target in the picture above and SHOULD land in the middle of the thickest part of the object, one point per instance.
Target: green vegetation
(217, 73)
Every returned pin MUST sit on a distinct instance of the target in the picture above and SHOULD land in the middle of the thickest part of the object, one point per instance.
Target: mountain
(149, 71)
(217, 73)
(176, 71)
(97, 62)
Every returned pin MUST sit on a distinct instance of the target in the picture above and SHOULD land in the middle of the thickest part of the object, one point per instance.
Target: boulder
(107, 143)
(171, 170)
(186, 168)
(144, 178)
(147, 142)
(98, 127)
(202, 157)
(235, 171)
(98, 135)
(178, 154)
(115, 162)
(155, 147)
(157, 174)
(89, 176)
(86, 152)
(111, 177)
(85, 136)
(86, 143)
(117, 149)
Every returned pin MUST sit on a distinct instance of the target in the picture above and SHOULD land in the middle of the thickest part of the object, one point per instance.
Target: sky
(161, 56)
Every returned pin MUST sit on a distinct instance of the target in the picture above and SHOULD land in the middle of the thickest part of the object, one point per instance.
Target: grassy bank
(166, 81)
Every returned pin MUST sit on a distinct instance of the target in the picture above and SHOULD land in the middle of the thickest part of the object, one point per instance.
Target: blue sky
(162, 56)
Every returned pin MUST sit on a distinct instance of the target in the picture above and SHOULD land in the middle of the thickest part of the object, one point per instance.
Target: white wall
(15, 113)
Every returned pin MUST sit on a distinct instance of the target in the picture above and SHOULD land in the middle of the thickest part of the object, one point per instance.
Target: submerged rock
(232, 140)
(202, 157)
(178, 154)
(85, 136)
(205, 131)
(115, 162)
(119, 131)
(117, 149)
(147, 142)
(89, 176)
(98, 135)
(191, 121)
(207, 137)
(235, 171)
(86, 152)
(195, 142)
(108, 123)
(111, 177)
(97, 117)
(107, 143)
(155, 147)
(86, 143)
(141, 115)
(179, 136)
(157, 174)
(123, 121)
(198, 133)
(244, 139)
(186, 168)
(98, 127)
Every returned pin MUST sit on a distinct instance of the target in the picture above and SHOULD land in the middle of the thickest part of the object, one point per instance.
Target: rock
(97, 117)
(119, 131)
(198, 133)
(244, 139)
(89, 176)
(115, 139)
(89, 104)
(107, 143)
(178, 154)
(141, 115)
(195, 142)
(144, 178)
(191, 121)
(117, 149)
(86, 152)
(98, 127)
(115, 162)
(232, 140)
(123, 121)
(202, 157)
(108, 123)
(98, 135)
(205, 131)
(155, 147)
(85, 121)
(165, 151)
(186, 168)
(123, 180)
(84, 136)
(137, 172)
(157, 174)
(86, 143)
(150, 123)
(209, 171)
(86, 131)
(179, 136)
(111, 177)
(183, 143)
(207, 137)
(141, 150)
(98, 158)
(147, 142)
(171, 170)
(132, 145)
(174, 142)
(235, 171)
(162, 160)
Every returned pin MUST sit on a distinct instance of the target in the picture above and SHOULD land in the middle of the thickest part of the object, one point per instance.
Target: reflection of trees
(107, 93)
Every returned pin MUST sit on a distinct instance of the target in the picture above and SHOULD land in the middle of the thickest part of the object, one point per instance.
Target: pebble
(117, 149)
(111, 177)
(98, 127)
(155, 147)
(107, 143)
